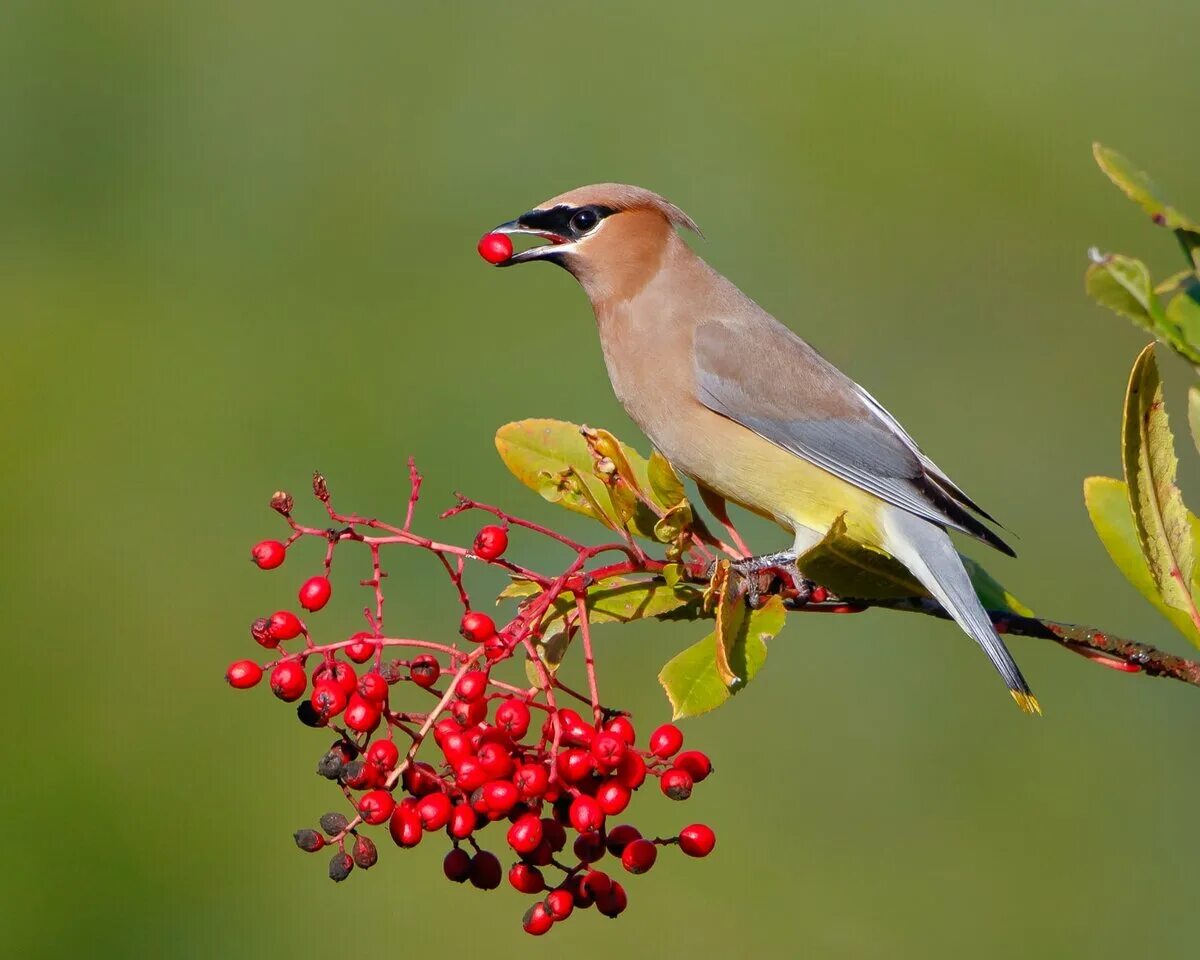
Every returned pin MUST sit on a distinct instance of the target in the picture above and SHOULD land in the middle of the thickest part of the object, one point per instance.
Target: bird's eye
(584, 220)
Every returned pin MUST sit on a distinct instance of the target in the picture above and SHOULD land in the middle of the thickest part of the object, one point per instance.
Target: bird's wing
(770, 381)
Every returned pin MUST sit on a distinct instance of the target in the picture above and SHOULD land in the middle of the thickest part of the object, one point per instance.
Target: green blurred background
(237, 243)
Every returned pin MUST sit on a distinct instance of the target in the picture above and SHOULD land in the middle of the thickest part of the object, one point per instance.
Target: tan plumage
(749, 410)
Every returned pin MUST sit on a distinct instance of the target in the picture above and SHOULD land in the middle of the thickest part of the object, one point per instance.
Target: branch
(1090, 642)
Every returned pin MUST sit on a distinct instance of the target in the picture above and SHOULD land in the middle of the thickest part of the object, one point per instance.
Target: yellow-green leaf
(1183, 315)
(1148, 455)
(1107, 501)
(1194, 414)
(1136, 185)
(553, 458)
(691, 679)
(665, 485)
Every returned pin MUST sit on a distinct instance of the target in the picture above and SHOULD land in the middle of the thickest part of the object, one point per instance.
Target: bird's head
(610, 236)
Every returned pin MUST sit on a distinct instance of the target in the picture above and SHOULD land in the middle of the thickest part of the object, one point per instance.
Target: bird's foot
(782, 565)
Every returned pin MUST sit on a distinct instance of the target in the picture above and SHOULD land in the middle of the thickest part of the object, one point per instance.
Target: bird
(744, 406)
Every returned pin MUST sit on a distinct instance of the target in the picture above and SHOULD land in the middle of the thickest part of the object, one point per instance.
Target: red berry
(554, 834)
(697, 840)
(495, 247)
(623, 728)
(574, 729)
(618, 838)
(614, 902)
(613, 797)
(512, 716)
(575, 764)
(468, 713)
(384, 754)
(365, 854)
(372, 687)
(485, 871)
(243, 674)
(588, 847)
(695, 763)
(284, 625)
(490, 543)
(666, 740)
(455, 745)
(500, 795)
(537, 919)
(477, 626)
(339, 672)
(360, 776)
(676, 784)
(469, 774)
(462, 821)
(586, 814)
(471, 685)
(435, 810)
(269, 554)
(597, 883)
(328, 699)
(424, 670)
(496, 761)
(632, 770)
(608, 749)
(457, 865)
(376, 806)
(531, 780)
(362, 715)
(419, 779)
(362, 649)
(315, 593)
(639, 856)
(526, 878)
(559, 904)
(525, 835)
(405, 826)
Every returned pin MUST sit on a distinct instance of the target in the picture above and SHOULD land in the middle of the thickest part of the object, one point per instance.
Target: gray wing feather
(808, 407)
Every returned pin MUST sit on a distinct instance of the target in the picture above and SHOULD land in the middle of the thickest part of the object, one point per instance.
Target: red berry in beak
(495, 247)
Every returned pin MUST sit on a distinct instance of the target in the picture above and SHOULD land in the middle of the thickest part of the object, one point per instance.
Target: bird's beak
(551, 249)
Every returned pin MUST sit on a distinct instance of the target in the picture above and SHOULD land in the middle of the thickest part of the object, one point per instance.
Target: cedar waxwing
(751, 412)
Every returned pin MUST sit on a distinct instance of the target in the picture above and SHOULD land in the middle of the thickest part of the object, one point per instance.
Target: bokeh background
(237, 243)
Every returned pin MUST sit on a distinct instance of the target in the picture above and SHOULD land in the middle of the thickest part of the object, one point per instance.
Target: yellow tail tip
(1027, 702)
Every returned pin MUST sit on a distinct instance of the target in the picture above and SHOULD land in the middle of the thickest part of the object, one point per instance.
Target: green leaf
(1148, 454)
(1194, 414)
(691, 678)
(1107, 501)
(1183, 314)
(1136, 185)
(520, 587)
(1123, 285)
(584, 469)
(992, 593)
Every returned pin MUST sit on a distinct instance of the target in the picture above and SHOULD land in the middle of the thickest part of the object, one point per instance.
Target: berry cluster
(434, 744)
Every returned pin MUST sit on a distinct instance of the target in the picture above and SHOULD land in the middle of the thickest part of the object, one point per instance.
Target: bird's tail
(927, 551)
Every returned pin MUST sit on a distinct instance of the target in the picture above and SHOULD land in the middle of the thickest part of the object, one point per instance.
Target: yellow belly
(747, 470)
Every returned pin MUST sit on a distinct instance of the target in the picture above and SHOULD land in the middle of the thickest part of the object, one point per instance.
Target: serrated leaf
(691, 680)
(1107, 501)
(1148, 455)
(1136, 185)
